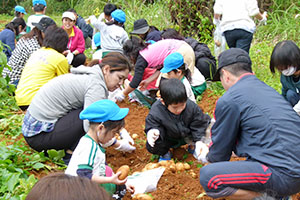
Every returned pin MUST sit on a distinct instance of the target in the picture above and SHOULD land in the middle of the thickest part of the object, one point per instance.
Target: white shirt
(188, 88)
(236, 14)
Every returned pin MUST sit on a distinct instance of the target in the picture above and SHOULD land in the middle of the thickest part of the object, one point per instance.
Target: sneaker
(264, 196)
(167, 156)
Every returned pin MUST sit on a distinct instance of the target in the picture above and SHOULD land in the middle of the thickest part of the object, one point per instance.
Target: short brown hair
(116, 61)
(60, 186)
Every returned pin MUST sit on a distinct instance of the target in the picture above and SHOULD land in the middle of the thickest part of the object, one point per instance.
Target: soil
(176, 186)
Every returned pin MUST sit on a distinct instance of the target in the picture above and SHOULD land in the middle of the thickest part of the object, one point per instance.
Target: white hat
(69, 15)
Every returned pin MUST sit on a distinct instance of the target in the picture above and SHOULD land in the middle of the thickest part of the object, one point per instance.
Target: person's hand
(125, 146)
(120, 96)
(297, 108)
(70, 57)
(152, 136)
(201, 151)
(116, 180)
(88, 20)
(130, 188)
(144, 84)
(263, 21)
(125, 135)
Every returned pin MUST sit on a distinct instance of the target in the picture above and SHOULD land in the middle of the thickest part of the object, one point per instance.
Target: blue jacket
(289, 84)
(86, 29)
(7, 37)
(255, 122)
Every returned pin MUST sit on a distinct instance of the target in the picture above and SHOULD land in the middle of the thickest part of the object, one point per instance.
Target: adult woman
(43, 65)
(76, 44)
(152, 56)
(29, 43)
(55, 108)
(286, 59)
(8, 35)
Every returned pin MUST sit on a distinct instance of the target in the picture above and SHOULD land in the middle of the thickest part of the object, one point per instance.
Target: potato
(186, 166)
(164, 163)
(193, 174)
(179, 166)
(134, 136)
(142, 197)
(124, 172)
(151, 166)
(172, 168)
(218, 43)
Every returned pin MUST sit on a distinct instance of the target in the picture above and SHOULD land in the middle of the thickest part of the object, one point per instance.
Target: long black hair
(133, 46)
(14, 25)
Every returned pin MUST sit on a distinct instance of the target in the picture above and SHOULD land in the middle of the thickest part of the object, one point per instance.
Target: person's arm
(224, 131)
(80, 43)
(112, 179)
(10, 41)
(284, 88)
(62, 67)
(144, 84)
(139, 69)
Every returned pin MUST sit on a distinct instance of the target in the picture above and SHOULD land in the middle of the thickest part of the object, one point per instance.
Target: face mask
(289, 71)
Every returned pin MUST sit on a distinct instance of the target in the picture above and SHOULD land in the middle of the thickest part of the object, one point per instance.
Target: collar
(72, 33)
(246, 74)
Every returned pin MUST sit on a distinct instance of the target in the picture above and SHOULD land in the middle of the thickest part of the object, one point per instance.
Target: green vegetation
(19, 163)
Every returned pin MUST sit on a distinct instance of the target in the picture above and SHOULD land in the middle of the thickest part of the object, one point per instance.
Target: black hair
(38, 7)
(171, 33)
(172, 91)
(72, 10)
(116, 23)
(133, 46)
(17, 13)
(185, 71)
(109, 8)
(237, 69)
(116, 61)
(111, 125)
(286, 53)
(14, 25)
(56, 38)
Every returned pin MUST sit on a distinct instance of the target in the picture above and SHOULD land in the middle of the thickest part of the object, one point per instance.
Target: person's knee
(205, 176)
(292, 97)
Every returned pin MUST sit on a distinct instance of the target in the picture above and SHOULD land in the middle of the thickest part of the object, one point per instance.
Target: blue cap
(20, 9)
(43, 2)
(102, 111)
(172, 61)
(119, 16)
(97, 39)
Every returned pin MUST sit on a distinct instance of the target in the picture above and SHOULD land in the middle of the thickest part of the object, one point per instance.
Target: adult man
(145, 32)
(255, 122)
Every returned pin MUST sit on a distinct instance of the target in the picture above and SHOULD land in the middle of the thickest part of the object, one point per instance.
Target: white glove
(263, 21)
(152, 136)
(297, 107)
(125, 146)
(125, 135)
(119, 96)
(70, 57)
(201, 150)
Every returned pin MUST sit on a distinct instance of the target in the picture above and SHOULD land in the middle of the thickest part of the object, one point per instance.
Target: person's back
(39, 8)
(267, 117)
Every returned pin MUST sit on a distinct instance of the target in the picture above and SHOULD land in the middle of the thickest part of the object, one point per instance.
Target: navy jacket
(190, 123)
(86, 29)
(256, 122)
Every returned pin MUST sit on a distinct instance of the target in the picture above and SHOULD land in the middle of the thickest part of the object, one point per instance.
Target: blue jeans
(292, 97)
(239, 38)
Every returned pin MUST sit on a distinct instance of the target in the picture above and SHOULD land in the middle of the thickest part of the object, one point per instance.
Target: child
(113, 34)
(176, 68)
(88, 159)
(19, 12)
(97, 43)
(39, 8)
(62, 186)
(174, 121)
(286, 59)
(107, 10)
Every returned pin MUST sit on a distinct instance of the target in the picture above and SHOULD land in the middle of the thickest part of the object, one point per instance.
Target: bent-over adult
(152, 56)
(254, 122)
(52, 119)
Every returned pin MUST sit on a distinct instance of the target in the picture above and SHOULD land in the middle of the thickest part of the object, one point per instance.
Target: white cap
(69, 15)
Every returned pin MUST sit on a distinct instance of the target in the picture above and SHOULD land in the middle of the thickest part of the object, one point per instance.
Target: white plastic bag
(145, 181)
(219, 39)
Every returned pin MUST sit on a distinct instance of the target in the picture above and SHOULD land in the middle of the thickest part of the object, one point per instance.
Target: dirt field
(175, 186)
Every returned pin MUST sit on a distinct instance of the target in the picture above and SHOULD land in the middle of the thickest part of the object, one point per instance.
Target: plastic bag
(145, 181)
(219, 39)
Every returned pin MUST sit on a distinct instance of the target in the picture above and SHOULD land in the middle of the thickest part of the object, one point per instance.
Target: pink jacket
(76, 42)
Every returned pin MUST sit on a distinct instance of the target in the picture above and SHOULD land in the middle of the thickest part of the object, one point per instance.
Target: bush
(193, 18)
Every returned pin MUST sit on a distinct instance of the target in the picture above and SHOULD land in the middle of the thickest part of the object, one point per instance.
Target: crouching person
(174, 121)
(88, 160)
